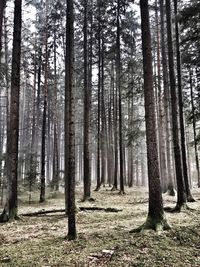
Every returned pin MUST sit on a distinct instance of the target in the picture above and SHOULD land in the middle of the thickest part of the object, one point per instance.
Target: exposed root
(178, 208)
(190, 199)
(122, 193)
(89, 199)
(114, 188)
(97, 189)
(153, 224)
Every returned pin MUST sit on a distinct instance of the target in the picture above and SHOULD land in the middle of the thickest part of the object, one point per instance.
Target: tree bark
(181, 200)
(70, 122)
(181, 118)
(155, 219)
(11, 206)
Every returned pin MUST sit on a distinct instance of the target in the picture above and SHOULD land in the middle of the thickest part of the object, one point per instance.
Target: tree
(44, 119)
(118, 77)
(156, 218)
(11, 206)
(181, 197)
(86, 155)
(2, 7)
(70, 122)
(181, 118)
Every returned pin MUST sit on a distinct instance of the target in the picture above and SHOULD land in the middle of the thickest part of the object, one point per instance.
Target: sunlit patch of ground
(103, 237)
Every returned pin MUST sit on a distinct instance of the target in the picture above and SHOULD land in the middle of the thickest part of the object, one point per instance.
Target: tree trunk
(99, 100)
(70, 122)
(2, 7)
(43, 147)
(194, 129)
(118, 71)
(155, 219)
(10, 210)
(181, 119)
(170, 181)
(86, 152)
(174, 103)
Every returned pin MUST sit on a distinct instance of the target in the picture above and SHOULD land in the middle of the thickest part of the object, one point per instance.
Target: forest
(99, 133)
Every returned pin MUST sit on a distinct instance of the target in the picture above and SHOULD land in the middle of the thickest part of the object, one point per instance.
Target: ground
(103, 237)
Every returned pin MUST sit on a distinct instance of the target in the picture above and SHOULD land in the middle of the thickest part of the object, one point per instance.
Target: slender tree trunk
(55, 176)
(162, 146)
(99, 99)
(175, 126)
(194, 128)
(166, 102)
(10, 210)
(155, 219)
(70, 123)
(118, 69)
(86, 152)
(43, 147)
(181, 118)
(115, 124)
(2, 7)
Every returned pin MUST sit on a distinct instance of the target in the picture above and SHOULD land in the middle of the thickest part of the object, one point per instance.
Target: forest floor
(103, 237)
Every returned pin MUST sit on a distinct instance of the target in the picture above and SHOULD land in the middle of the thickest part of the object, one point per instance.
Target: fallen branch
(43, 212)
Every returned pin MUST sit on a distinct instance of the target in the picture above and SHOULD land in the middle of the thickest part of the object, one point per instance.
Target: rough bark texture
(43, 146)
(86, 153)
(118, 73)
(2, 7)
(174, 103)
(10, 210)
(155, 219)
(69, 123)
(194, 129)
(170, 180)
(99, 99)
(181, 118)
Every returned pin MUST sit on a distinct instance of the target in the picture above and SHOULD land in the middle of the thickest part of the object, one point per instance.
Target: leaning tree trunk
(70, 122)
(10, 210)
(181, 200)
(155, 219)
(181, 118)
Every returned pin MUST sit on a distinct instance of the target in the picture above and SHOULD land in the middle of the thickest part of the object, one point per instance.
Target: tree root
(178, 208)
(114, 188)
(152, 224)
(190, 199)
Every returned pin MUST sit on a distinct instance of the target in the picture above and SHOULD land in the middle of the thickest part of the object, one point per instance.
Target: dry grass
(103, 238)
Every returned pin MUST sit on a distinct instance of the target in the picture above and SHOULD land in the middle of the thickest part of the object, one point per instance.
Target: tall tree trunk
(181, 118)
(99, 98)
(181, 200)
(10, 210)
(166, 101)
(70, 122)
(118, 70)
(86, 152)
(43, 147)
(2, 7)
(115, 124)
(161, 122)
(55, 176)
(155, 219)
(194, 129)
